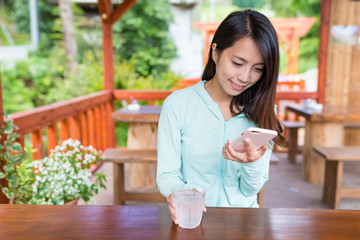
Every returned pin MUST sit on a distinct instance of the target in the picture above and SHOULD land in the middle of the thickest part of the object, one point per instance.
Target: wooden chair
(335, 158)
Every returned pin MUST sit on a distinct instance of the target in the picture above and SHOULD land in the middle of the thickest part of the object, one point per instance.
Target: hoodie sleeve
(255, 174)
(169, 150)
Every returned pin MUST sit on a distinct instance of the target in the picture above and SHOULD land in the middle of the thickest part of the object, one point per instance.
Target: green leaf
(8, 122)
(10, 195)
(5, 190)
(7, 168)
(17, 147)
(2, 175)
(17, 158)
(7, 129)
(33, 202)
(11, 137)
(58, 201)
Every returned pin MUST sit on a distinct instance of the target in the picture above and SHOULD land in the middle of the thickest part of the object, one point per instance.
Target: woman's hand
(250, 154)
(172, 209)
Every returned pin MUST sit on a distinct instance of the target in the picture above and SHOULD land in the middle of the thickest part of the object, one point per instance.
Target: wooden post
(91, 126)
(84, 125)
(36, 139)
(108, 53)
(98, 142)
(142, 136)
(319, 134)
(64, 130)
(324, 39)
(52, 136)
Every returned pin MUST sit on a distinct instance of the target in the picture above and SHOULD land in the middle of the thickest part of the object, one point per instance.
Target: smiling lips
(235, 86)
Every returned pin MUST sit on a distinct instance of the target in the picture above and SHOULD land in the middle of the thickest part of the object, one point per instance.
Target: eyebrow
(243, 59)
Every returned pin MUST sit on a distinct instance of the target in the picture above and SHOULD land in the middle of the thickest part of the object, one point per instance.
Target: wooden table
(322, 128)
(142, 134)
(154, 222)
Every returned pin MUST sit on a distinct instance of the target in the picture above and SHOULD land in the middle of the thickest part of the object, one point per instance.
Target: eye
(259, 69)
(237, 64)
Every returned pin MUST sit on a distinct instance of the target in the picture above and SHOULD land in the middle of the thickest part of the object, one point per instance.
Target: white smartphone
(258, 136)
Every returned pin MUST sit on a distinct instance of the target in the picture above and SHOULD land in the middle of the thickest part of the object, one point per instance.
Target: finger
(204, 209)
(234, 155)
(263, 148)
(251, 153)
(171, 201)
(172, 209)
(225, 153)
(173, 213)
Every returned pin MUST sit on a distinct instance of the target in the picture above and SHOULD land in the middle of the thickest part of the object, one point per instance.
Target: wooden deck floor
(285, 188)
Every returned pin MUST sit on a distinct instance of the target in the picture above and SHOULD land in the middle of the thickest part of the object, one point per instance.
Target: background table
(322, 128)
(154, 222)
(142, 134)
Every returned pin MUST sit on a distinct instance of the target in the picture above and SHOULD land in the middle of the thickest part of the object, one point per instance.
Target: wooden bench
(335, 157)
(119, 156)
(294, 126)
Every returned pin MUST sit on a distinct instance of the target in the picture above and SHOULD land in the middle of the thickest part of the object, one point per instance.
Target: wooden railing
(143, 95)
(153, 95)
(86, 118)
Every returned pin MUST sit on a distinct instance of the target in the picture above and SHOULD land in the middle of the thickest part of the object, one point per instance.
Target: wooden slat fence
(85, 118)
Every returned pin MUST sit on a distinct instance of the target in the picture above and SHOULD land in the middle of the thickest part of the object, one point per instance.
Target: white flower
(61, 175)
(76, 143)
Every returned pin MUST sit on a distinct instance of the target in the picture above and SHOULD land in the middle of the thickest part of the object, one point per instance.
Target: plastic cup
(189, 203)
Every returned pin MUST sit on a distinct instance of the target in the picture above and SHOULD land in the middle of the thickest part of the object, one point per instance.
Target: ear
(215, 53)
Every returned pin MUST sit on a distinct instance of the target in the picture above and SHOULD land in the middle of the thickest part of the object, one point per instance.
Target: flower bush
(62, 177)
(65, 174)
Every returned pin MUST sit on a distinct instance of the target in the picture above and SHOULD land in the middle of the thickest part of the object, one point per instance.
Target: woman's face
(238, 67)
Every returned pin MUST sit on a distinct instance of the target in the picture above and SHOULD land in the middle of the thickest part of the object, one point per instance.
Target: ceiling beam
(121, 10)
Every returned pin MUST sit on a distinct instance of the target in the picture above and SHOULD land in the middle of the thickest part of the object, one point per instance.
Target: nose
(244, 75)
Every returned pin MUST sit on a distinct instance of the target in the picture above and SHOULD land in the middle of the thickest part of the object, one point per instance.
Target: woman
(198, 123)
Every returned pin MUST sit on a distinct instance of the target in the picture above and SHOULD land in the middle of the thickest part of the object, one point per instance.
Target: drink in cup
(189, 203)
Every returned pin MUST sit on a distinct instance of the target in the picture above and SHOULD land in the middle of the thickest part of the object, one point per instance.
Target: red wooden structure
(289, 31)
(87, 118)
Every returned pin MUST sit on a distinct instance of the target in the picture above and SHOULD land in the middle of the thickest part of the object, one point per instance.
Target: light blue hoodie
(191, 134)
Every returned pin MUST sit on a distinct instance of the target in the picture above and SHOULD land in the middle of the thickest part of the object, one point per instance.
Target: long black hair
(258, 101)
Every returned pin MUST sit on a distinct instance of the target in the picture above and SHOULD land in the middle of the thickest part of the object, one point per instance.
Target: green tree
(142, 37)
(49, 23)
(48, 13)
(249, 3)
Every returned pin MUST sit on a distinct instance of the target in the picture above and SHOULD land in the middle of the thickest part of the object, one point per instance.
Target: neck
(216, 92)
